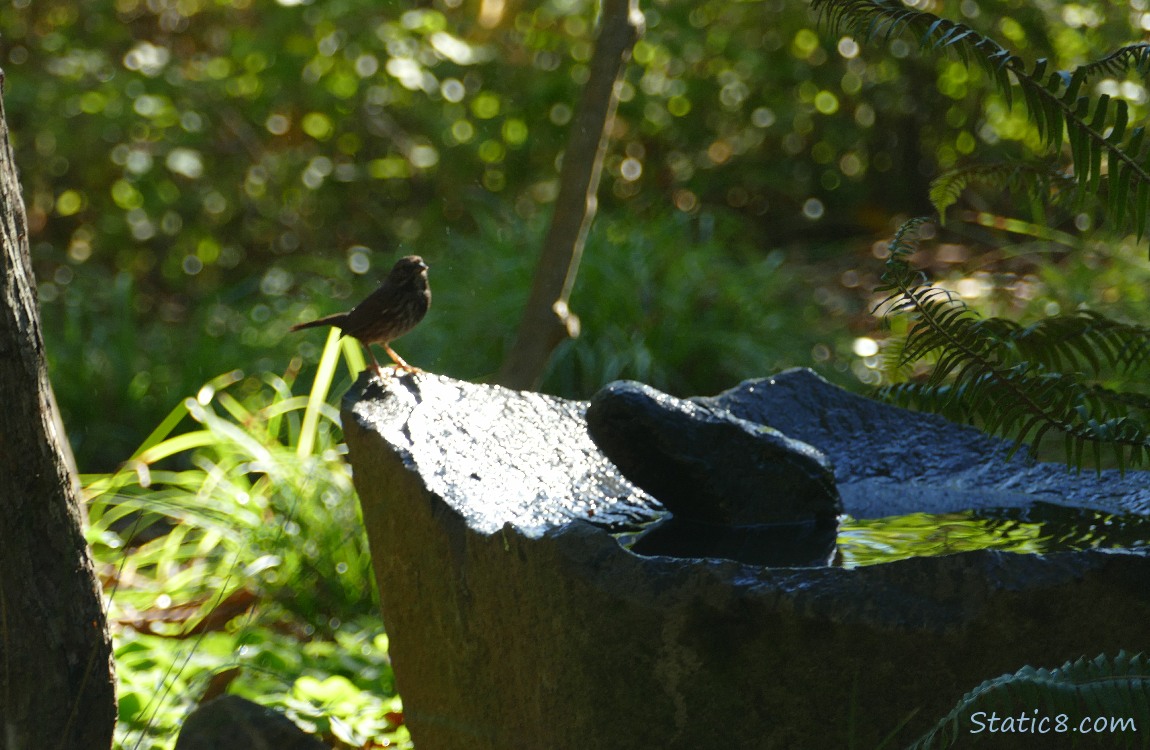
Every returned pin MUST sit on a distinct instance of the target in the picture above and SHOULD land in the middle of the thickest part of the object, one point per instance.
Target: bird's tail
(330, 320)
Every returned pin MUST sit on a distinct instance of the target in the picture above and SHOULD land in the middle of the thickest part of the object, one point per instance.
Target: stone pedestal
(517, 620)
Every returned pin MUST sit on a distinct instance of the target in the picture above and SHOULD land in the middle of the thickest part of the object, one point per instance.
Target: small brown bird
(390, 311)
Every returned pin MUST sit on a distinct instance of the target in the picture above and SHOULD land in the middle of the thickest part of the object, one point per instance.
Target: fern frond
(1133, 56)
(1083, 341)
(1095, 128)
(902, 244)
(1117, 686)
(868, 19)
(1043, 184)
(1018, 382)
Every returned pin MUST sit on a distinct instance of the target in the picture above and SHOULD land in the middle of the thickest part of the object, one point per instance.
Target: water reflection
(780, 545)
(1036, 529)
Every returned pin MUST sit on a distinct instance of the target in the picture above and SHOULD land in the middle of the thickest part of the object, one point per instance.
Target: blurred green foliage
(340, 686)
(200, 174)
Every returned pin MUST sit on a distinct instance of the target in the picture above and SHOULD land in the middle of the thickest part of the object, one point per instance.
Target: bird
(390, 311)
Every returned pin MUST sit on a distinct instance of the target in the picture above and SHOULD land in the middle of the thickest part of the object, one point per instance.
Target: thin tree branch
(547, 318)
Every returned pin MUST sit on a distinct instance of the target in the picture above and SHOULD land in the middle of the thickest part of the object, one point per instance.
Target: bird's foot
(386, 373)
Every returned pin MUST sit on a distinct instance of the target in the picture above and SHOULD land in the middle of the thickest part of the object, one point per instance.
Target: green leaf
(1121, 114)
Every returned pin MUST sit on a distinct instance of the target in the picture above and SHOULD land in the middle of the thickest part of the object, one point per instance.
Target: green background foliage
(201, 174)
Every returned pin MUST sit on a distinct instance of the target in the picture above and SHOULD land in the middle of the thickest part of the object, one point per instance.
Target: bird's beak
(423, 265)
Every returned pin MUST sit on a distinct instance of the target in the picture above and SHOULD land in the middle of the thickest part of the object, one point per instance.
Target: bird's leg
(398, 360)
(370, 353)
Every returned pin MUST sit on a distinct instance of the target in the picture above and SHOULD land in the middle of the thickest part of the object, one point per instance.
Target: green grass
(232, 540)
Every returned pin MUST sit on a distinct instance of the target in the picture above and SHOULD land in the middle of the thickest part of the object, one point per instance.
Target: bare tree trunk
(547, 320)
(56, 683)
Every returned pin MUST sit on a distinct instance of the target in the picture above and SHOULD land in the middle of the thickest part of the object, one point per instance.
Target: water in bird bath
(1036, 529)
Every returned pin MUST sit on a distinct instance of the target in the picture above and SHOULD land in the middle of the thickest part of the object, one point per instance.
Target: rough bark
(56, 684)
(548, 319)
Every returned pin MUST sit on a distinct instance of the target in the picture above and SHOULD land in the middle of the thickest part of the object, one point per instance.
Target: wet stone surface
(517, 619)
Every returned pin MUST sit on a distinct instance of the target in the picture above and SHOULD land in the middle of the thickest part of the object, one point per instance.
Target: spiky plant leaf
(1132, 57)
(1020, 382)
(1113, 689)
(1043, 184)
(1095, 125)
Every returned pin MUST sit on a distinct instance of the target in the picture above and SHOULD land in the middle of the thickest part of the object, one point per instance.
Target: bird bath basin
(517, 619)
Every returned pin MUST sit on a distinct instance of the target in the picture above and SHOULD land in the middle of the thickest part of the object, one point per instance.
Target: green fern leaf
(1121, 114)
(1121, 184)
(945, 190)
(1018, 382)
(1116, 686)
(1134, 147)
(1073, 86)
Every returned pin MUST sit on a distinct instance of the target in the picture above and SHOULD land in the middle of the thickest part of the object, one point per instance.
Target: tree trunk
(547, 320)
(56, 682)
